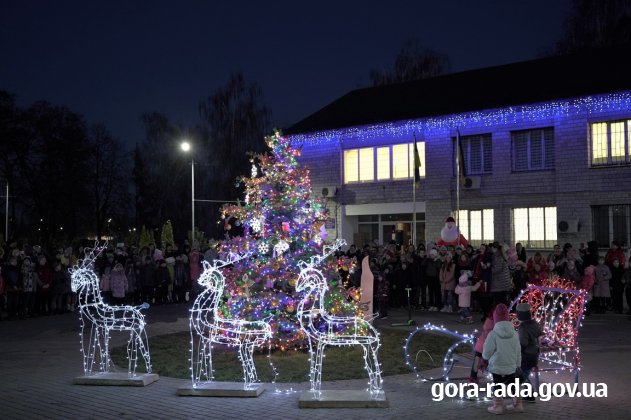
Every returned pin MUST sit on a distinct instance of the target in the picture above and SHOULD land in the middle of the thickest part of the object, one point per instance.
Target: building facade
(545, 148)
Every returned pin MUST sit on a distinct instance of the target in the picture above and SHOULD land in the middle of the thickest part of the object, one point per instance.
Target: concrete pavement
(40, 357)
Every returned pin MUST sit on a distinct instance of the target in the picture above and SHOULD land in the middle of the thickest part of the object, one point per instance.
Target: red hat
(450, 219)
(500, 313)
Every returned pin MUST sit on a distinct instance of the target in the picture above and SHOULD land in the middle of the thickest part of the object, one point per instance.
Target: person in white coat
(503, 351)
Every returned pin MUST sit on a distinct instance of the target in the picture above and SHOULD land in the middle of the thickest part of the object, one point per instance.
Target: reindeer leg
(247, 363)
(88, 347)
(318, 366)
(368, 363)
(376, 383)
(132, 353)
(143, 345)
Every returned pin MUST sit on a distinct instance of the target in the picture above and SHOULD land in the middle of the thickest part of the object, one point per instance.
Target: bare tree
(108, 178)
(596, 24)
(413, 62)
(237, 122)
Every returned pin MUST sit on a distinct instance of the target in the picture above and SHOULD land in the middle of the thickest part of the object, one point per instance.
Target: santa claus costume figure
(450, 235)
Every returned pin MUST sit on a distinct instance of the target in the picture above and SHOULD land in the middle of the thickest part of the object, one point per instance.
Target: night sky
(114, 60)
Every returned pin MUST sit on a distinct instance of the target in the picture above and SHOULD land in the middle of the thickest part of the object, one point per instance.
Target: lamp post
(186, 147)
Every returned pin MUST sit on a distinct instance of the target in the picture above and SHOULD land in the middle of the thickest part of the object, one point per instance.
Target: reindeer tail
(144, 305)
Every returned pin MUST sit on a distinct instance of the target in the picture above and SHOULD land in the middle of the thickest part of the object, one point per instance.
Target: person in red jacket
(537, 269)
(615, 253)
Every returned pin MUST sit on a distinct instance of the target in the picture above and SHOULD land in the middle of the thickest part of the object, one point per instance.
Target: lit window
(366, 164)
(421, 153)
(400, 161)
(477, 225)
(383, 163)
(536, 226)
(351, 166)
(610, 143)
(533, 149)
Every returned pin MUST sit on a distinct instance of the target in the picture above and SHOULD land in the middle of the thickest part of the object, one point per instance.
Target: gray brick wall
(572, 186)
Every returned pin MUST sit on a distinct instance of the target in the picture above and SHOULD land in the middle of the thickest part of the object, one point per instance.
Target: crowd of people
(34, 282)
(459, 279)
(431, 279)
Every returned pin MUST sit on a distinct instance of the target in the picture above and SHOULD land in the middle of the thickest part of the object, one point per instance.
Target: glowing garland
(321, 327)
(559, 310)
(501, 116)
(103, 318)
(448, 360)
(208, 327)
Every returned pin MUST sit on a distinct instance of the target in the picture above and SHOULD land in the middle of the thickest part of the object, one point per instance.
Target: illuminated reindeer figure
(208, 327)
(99, 318)
(329, 330)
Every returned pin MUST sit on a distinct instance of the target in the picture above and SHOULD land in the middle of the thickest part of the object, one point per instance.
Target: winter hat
(170, 260)
(464, 278)
(523, 312)
(500, 313)
(450, 219)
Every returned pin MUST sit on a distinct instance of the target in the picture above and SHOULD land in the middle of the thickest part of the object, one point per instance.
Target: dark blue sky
(114, 60)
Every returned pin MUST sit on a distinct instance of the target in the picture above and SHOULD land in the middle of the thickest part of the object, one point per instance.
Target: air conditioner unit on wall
(569, 226)
(329, 192)
(471, 183)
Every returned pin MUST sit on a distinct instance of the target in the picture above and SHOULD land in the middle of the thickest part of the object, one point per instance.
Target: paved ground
(40, 357)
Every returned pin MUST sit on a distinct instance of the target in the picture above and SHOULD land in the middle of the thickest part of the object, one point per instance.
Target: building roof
(568, 76)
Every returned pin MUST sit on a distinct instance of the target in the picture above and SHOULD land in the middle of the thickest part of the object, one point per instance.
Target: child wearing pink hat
(463, 290)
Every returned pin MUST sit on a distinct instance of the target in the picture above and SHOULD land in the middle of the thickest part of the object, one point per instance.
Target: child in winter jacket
(478, 362)
(601, 286)
(463, 290)
(118, 284)
(503, 351)
(529, 333)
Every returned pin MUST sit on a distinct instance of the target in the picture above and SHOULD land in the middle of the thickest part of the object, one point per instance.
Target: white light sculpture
(449, 360)
(328, 330)
(98, 319)
(208, 327)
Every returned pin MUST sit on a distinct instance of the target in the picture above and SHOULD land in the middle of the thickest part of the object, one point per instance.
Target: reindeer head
(83, 273)
(212, 277)
(310, 278)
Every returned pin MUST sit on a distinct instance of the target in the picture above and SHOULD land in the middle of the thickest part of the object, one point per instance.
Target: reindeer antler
(91, 254)
(327, 250)
(232, 258)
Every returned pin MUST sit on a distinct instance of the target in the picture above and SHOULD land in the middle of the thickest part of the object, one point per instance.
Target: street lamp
(186, 147)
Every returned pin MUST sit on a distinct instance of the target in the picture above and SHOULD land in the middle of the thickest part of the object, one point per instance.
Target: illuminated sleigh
(558, 308)
(453, 357)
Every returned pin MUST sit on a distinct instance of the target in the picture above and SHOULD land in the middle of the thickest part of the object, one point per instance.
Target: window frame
(407, 167)
(613, 232)
(549, 223)
(609, 160)
(486, 157)
(545, 147)
(487, 225)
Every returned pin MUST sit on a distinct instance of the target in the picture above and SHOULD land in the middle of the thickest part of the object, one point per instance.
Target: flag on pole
(461, 167)
(417, 164)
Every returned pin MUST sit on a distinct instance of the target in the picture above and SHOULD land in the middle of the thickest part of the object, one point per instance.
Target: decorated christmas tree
(282, 225)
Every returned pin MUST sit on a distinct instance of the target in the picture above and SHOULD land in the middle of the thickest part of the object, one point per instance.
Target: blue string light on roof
(488, 118)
